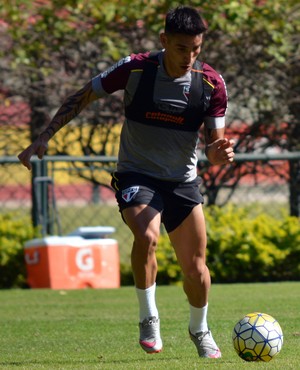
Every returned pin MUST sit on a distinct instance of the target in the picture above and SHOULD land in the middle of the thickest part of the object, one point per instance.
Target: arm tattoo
(70, 109)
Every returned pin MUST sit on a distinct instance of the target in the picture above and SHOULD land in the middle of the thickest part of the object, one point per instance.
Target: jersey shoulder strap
(206, 87)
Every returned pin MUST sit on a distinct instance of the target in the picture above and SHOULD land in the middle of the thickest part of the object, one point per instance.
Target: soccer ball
(257, 337)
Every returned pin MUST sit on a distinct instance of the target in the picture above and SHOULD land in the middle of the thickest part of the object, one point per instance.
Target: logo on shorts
(129, 193)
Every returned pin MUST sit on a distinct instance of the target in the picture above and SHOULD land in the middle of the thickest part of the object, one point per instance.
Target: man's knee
(146, 240)
(196, 272)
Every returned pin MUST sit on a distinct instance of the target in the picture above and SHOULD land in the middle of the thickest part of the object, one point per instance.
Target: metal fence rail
(63, 193)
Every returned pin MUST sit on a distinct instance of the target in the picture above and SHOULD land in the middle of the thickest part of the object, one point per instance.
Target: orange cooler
(72, 262)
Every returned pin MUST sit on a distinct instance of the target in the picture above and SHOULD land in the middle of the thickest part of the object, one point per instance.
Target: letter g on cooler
(84, 259)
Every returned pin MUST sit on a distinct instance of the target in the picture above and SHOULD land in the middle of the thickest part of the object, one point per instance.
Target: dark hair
(184, 20)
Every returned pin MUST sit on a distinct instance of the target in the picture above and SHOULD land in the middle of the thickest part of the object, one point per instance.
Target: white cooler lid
(71, 241)
(93, 232)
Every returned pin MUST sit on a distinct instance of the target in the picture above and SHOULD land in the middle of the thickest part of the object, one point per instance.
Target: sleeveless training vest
(142, 109)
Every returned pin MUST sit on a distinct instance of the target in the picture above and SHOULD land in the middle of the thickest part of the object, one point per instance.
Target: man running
(168, 95)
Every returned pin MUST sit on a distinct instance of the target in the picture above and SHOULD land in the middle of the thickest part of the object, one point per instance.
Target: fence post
(294, 188)
(39, 189)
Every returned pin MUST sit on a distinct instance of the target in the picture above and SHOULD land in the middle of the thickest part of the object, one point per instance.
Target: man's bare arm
(218, 149)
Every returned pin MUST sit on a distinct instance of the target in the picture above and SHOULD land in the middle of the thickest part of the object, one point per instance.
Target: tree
(256, 46)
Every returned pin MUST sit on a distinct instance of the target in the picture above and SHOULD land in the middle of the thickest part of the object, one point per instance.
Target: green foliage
(60, 21)
(64, 25)
(14, 232)
(265, 22)
(244, 245)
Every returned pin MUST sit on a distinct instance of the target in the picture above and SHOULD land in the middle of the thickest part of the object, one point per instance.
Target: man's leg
(144, 222)
(189, 242)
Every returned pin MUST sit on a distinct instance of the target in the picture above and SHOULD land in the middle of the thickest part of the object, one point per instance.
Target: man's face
(181, 51)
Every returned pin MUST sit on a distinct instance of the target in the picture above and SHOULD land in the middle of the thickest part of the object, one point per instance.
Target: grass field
(97, 329)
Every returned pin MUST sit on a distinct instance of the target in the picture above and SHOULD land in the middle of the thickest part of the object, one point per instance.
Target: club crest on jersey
(186, 91)
(129, 193)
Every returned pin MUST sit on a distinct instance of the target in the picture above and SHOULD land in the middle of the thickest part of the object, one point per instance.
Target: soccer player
(168, 95)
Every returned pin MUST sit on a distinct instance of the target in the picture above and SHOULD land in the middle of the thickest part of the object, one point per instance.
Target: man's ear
(163, 39)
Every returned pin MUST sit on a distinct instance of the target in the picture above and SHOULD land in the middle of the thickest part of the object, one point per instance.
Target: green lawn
(97, 329)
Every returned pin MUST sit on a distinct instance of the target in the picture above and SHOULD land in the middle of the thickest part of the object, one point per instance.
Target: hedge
(245, 244)
(15, 230)
(248, 245)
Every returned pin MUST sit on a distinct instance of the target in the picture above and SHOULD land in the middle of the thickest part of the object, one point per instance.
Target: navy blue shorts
(174, 200)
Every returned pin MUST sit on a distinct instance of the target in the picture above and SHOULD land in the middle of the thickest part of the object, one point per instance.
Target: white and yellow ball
(257, 337)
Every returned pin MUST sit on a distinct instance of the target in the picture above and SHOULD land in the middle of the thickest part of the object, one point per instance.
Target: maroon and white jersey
(164, 151)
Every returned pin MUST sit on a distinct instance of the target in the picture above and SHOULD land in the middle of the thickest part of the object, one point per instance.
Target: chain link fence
(62, 194)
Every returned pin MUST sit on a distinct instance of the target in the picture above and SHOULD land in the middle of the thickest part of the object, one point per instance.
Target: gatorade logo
(84, 259)
(129, 193)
